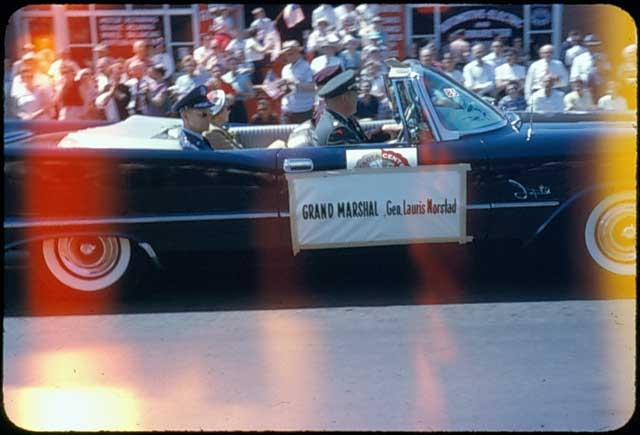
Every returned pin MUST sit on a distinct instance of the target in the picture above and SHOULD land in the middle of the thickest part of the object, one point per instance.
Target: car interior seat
(302, 135)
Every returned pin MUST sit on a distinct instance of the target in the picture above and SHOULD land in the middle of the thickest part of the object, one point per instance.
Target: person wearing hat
(348, 26)
(337, 125)
(217, 136)
(324, 12)
(297, 104)
(591, 66)
(261, 22)
(321, 28)
(193, 109)
(329, 46)
(374, 32)
(572, 51)
(320, 79)
(350, 54)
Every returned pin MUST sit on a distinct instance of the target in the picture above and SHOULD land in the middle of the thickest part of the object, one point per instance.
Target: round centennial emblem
(382, 159)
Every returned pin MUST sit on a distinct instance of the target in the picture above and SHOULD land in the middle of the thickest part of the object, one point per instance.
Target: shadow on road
(410, 276)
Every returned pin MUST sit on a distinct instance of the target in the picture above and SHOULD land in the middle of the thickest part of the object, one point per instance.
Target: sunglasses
(200, 114)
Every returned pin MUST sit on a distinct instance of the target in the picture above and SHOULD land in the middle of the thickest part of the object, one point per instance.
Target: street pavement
(566, 365)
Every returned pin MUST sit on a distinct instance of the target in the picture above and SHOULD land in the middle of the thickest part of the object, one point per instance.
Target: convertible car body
(90, 202)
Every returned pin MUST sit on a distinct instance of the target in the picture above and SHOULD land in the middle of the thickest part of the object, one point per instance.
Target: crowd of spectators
(253, 65)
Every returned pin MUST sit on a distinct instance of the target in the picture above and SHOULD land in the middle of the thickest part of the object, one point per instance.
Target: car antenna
(530, 129)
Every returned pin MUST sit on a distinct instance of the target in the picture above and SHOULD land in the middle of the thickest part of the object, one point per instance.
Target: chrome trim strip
(526, 204)
(492, 205)
(139, 220)
(512, 205)
(478, 206)
(220, 217)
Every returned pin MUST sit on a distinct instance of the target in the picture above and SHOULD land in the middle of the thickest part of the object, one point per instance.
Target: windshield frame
(442, 132)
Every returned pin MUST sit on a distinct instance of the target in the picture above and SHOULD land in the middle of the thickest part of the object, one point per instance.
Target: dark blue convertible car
(92, 205)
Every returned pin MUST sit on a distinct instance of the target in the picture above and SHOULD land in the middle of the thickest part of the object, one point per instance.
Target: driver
(193, 108)
(337, 125)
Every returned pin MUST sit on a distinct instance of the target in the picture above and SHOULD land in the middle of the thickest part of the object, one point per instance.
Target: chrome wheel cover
(610, 233)
(87, 263)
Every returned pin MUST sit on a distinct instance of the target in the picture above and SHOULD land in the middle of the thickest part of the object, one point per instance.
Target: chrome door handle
(298, 165)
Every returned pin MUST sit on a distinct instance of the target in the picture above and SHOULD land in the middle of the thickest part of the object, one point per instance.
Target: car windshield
(458, 108)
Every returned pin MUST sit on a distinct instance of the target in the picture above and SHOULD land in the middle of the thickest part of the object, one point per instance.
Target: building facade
(79, 27)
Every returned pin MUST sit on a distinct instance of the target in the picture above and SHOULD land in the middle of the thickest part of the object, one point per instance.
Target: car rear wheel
(82, 274)
(610, 233)
(87, 263)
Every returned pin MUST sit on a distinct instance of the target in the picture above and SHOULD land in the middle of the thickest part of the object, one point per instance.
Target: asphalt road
(413, 343)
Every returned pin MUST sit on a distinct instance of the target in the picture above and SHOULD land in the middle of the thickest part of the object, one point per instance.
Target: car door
(174, 200)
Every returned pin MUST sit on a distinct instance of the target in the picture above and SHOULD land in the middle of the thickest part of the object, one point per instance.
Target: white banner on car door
(381, 206)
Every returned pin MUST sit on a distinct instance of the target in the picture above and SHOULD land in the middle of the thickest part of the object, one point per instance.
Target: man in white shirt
(202, 53)
(496, 57)
(611, 100)
(547, 99)
(448, 67)
(297, 104)
(160, 56)
(459, 49)
(579, 99)
(574, 50)
(261, 22)
(478, 75)
(509, 71)
(586, 66)
(546, 65)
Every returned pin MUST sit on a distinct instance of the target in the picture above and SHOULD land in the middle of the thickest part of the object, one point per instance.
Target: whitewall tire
(610, 233)
(87, 263)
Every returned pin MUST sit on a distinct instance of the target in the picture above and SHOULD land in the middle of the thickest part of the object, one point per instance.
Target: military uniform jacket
(190, 140)
(335, 129)
(221, 139)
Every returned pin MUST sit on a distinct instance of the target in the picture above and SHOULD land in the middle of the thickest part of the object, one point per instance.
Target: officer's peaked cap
(338, 85)
(196, 98)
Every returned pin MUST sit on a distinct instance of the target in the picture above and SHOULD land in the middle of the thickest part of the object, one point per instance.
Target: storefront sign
(123, 30)
(482, 24)
(386, 206)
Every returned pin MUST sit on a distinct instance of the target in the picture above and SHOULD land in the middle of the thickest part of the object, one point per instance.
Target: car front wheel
(610, 233)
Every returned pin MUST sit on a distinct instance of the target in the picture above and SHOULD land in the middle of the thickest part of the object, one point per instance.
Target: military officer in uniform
(193, 108)
(337, 125)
